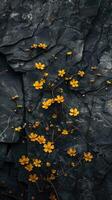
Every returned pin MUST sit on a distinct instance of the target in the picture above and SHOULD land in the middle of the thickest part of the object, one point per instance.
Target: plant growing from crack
(53, 156)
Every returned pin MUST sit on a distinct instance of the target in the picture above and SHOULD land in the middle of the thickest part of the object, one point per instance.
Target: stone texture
(83, 26)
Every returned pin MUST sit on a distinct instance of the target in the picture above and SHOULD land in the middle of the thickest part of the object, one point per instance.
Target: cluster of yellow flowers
(24, 160)
(48, 147)
(87, 156)
(29, 165)
(46, 104)
(40, 45)
(34, 137)
(39, 84)
(73, 82)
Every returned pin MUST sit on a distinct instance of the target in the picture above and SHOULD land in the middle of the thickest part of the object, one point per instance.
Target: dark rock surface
(81, 26)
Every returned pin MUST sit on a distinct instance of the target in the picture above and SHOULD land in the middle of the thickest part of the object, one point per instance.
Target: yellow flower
(64, 132)
(88, 156)
(74, 112)
(109, 82)
(41, 139)
(42, 45)
(24, 160)
(49, 147)
(38, 85)
(33, 46)
(48, 164)
(81, 73)
(36, 124)
(42, 80)
(47, 103)
(51, 177)
(37, 162)
(66, 78)
(19, 106)
(71, 151)
(51, 125)
(69, 53)
(18, 129)
(52, 197)
(54, 116)
(15, 97)
(53, 171)
(29, 167)
(33, 137)
(33, 178)
(40, 65)
(93, 67)
(59, 99)
(73, 164)
(61, 90)
(46, 74)
(74, 83)
(61, 72)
